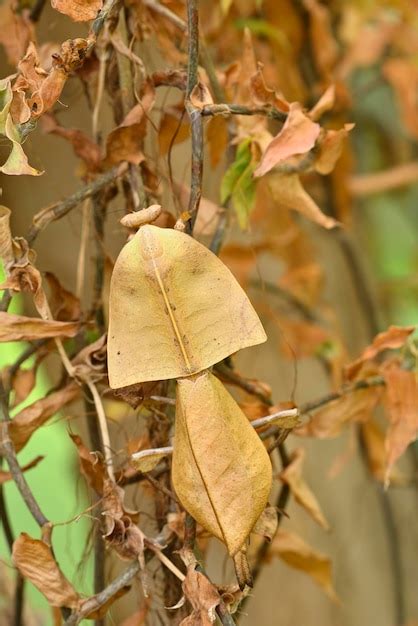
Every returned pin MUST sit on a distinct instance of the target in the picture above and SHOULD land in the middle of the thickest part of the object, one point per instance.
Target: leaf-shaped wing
(221, 470)
(175, 310)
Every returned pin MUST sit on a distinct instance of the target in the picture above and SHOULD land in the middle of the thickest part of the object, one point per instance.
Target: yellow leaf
(221, 470)
(169, 313)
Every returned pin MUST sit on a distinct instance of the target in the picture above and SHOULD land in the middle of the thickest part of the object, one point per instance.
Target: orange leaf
(330, 149)
(297, 136)
(78, 10)
(401, 401)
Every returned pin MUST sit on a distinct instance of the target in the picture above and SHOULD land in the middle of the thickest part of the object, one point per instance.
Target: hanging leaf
(297, 136)
(292, 475)
(34, 560)
(203, 597)
(168, 313)
(238, 183)
(221, 470)
(401, 401)
(298, 554)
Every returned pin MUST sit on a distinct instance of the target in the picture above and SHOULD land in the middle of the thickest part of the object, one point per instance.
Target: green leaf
(239, 185)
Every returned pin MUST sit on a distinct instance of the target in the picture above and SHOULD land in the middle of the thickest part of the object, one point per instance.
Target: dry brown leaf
(23, 382)
(217, 138)
(391, 339)
(288, 192)
(78, 10)
(121, 531)
(21, 328)
(174, 128)
(187, 324)
(91, 465)
(201, 96)
(324, 104)
(295, 552)
(5, 476)
(330, 148)
(34, 560)
(221, 470)
(16, 31)
(24, 424)
(352, 407)
(297, 136)
(84, 147)
(268, 523)
(292, 475)
(203, 597)
(401, 401)
(65, 307)
(6, 246)
(324, 45)
(373, 439)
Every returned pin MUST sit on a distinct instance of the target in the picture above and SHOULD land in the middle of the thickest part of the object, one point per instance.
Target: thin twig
(107, 450)
(58, 210)
(239, 109)
(105, 14)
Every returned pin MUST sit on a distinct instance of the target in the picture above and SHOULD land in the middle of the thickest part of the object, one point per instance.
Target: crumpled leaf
(17, 162)
(34, 560)
(24, 424)
(287, 190)
(391, 339)
(401, 401)
(21, 328)
(330, 148)
(295, 552)
(78, 10)
(121, 531)
(91, 465)
(239, 185)
(124, 142)
(221, 470)
(298, 136)
(5, 476)
(203, 597)
(292, 475)
(268, 523)
(6, 246)
(168, 313)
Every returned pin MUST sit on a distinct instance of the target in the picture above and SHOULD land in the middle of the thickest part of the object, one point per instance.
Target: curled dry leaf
(330, 148)
(78, 10)
(292, 475)
(351, 407)
(391, 339)
(187, 324)
(22, 384)
(373, 439)
(21, 328)
(289, 547)
(91, 465)
(5, 476)
(200, 96)
(401, 401)
(121, 531)
(203, 597)
(268, 523)
(221, 470)
(297, 136)
(24, 424)
(288, 192)
(35, 561)
(64, 305)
